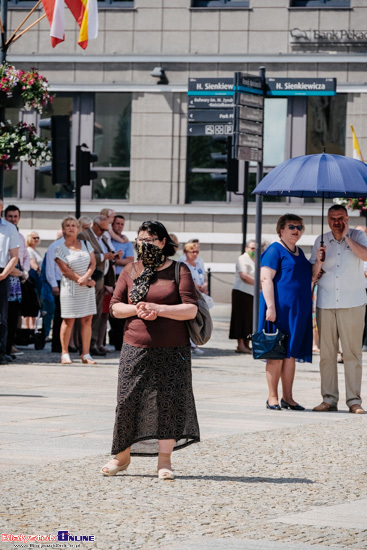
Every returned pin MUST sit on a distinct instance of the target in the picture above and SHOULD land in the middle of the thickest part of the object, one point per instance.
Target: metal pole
(4, 20)
(259, 202)
(209, 281)
(245, 206)
(77, 181)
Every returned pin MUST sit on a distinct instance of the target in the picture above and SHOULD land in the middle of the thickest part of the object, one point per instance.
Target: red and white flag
(54, 10)
(85, 13)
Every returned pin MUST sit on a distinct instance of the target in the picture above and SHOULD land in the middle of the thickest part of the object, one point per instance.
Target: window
(220, 3)
(320, 4)
(115, 3)
(112, 124)
(326, 124)
(206, 172)
(206, 178)
(63, 104)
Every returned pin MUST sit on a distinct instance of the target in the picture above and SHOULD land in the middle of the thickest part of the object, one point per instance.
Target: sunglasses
(299, 227)
(36, 238)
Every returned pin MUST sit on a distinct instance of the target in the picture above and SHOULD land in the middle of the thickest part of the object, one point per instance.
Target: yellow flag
(356, 150)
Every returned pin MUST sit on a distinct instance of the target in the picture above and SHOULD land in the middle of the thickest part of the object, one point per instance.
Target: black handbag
(97, 275)
(269, 345)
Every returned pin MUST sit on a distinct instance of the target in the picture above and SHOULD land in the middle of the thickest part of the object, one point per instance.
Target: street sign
(249, 154)
(250, 100)
(249, 83)
(300, 86)
(249, 116)
(210, 102)
(249, 127)
(249, 140)
(219, 115)
(210, 129)
(210, 86)
(249, 113)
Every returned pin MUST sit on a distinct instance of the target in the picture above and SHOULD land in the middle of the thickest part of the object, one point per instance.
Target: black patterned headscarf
(152, 257)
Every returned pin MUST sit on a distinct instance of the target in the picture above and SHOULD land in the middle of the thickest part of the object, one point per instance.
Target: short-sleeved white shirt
(9, 238)
(343, 283)
(244, 264)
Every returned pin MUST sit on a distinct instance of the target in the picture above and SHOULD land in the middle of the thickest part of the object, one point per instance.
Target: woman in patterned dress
(77, 296)
(155, 411)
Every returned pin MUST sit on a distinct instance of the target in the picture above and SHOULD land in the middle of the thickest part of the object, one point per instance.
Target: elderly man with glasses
(105, 257)
(340, 310)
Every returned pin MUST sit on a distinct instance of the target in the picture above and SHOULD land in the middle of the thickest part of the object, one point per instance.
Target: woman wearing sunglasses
(286, 300)
(155, 411)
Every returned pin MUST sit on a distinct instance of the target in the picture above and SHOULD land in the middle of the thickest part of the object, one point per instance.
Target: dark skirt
(154, 400)
(241, 316)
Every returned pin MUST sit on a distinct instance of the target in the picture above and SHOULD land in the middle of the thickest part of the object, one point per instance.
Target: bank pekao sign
(318, 36)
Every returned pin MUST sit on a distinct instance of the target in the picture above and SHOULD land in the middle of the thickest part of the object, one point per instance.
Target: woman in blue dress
(286, 298)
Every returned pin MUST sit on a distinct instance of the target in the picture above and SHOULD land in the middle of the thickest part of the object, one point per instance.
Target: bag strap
(177, 273)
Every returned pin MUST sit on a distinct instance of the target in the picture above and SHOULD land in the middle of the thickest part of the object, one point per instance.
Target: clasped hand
(147, 311)
(85, 281)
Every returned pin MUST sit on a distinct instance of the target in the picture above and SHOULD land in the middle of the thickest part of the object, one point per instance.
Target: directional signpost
(210, 103)
(248, 117)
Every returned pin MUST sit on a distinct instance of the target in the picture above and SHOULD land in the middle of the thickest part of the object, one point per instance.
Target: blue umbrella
(323, 175)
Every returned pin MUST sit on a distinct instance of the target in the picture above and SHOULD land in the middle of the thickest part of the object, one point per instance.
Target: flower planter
(15, 100)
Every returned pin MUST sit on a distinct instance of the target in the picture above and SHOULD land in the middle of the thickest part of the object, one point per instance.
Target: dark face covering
(152, 257)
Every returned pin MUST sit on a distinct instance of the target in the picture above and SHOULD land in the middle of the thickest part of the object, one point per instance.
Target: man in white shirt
(9, 249)
(340, 311)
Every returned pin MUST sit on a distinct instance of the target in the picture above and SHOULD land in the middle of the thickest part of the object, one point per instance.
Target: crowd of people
(65, 294)
(89, 276)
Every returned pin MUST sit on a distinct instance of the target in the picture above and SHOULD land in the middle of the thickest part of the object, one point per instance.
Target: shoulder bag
(201, 328)
(269, 345)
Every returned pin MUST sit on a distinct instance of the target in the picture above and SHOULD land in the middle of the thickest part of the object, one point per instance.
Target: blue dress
(293, 299)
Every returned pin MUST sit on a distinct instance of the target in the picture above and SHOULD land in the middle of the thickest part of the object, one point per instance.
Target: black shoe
(3, 361)
(273, 407)
(286, 405)
(95, 351)
(8, 358)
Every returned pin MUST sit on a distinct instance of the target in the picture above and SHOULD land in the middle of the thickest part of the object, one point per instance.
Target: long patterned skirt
(154, 400)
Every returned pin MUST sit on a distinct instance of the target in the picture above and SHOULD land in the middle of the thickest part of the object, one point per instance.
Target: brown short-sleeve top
(161, 332)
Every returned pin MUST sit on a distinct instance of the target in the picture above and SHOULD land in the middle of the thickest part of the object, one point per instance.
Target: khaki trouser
(346, 324)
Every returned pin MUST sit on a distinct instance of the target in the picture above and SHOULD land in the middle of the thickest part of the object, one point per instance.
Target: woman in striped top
(77, 296)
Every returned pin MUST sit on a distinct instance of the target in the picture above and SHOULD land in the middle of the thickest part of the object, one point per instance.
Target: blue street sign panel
(210, 129)
(210, 102)
(210, 86)
(300, 86)
(218, 115)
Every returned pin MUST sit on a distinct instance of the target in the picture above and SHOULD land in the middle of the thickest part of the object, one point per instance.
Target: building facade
(137, 122)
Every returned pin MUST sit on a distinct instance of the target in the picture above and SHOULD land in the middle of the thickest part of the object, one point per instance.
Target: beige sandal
(88, 359)
(65, 359)
(165, 473)
(113, 469)
(164, 466)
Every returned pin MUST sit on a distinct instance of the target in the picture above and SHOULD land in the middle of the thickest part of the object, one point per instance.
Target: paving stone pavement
(259, 479)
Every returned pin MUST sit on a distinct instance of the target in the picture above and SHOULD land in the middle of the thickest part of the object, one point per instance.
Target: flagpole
(8, 42)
